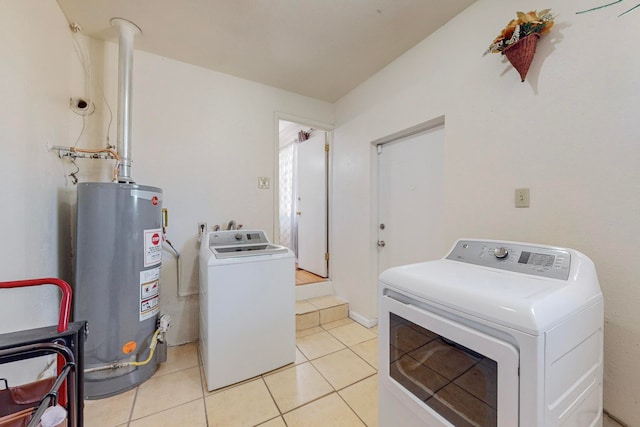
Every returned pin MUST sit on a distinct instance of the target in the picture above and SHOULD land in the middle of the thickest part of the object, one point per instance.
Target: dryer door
(446, 373)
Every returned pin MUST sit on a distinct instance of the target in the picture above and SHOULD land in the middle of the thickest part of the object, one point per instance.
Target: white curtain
(288, 219)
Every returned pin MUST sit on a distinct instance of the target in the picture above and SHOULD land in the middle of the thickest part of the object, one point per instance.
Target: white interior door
(312, 204)
(410, 199)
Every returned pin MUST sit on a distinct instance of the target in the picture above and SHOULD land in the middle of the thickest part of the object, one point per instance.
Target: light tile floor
(333, 382)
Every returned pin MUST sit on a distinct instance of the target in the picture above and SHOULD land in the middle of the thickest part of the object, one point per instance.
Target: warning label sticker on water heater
(152, 247)
(149, 293)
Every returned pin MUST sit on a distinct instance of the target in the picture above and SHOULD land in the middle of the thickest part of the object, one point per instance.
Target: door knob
(298, 213)
(381, 244)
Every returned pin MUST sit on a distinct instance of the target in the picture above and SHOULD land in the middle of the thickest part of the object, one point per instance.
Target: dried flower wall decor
(518, 40)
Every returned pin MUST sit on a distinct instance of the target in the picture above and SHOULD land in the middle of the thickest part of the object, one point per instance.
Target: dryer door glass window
(454, 381)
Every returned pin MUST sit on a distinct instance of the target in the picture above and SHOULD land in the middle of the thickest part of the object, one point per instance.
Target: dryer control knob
(239, 236)
(501, 252)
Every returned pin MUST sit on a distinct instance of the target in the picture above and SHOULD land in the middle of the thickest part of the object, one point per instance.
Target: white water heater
(118, 254)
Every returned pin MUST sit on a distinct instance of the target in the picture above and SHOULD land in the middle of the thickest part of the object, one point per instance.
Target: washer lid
(242, 243)
(521, 300)
(247, 250)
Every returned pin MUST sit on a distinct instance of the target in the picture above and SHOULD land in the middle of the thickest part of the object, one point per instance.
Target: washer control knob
(501, 252)
(239, 236)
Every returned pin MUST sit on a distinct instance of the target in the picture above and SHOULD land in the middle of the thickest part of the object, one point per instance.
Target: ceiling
(318, 48)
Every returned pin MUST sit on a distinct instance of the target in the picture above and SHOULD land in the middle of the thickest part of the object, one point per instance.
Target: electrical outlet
(202, 228)
(522, 197)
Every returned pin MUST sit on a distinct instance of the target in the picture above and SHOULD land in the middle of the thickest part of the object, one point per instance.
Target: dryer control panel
(542, 261)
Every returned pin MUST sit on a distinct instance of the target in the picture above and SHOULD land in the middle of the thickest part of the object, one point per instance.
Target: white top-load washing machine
(247, 306)
(495, 334)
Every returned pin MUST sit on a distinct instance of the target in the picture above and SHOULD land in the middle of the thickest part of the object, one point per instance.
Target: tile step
(319, 311)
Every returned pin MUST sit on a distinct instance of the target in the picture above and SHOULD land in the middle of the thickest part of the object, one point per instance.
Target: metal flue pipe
(127, 30)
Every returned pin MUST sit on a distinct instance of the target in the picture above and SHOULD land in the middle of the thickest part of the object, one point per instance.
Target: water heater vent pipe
(127, 30)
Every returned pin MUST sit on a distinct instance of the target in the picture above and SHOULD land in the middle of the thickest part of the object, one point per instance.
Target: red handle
(65, 302)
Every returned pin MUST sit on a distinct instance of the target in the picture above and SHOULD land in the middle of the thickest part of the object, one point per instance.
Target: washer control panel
(542, 261)
(237, 237)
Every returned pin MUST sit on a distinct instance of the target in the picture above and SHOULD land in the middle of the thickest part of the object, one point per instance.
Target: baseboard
(364, 321)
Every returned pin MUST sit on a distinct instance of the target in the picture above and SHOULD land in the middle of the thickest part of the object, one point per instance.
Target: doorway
(411, 197)
(303, 206)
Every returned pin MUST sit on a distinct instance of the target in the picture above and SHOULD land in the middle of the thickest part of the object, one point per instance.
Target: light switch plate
(522, 197)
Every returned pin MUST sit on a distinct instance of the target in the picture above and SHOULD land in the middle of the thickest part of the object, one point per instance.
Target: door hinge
(326, 147)
(379, 147)
(326, 256)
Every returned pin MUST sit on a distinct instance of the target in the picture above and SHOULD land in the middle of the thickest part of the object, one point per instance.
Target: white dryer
(497, 334)
(247, 306)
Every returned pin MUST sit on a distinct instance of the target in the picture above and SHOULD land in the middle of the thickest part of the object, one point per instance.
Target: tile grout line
(311, 401)
(345, 346)
(347, 403)
(331, 352)
(133, 405)
(335, 390)
(349, 347)
(203, 384)
(362, 358)
(282, 414)
(203, 393)
(131, 419)
(357, 382)
(274, 401)
(165, 409)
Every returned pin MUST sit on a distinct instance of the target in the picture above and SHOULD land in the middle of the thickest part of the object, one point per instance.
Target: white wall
(34, 81)
(204, 138)
(569, 133)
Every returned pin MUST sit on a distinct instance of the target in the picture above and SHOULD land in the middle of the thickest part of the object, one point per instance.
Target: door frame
(321, 126)
(375, 197)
